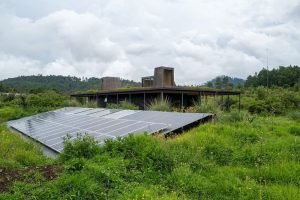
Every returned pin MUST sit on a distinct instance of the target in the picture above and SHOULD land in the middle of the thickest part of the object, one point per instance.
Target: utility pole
(267, 67)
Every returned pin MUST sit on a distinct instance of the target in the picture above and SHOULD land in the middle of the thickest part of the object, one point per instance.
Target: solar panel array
(51, 127)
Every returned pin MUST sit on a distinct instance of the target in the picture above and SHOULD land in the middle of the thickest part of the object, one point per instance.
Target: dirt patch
(27, 174)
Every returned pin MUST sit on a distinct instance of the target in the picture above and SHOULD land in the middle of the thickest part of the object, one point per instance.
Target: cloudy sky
(128, 38)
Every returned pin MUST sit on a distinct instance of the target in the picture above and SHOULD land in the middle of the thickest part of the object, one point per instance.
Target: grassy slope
(17, 152)
(257, 158)
(14, 150)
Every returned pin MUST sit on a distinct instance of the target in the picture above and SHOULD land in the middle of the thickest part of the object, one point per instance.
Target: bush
(84, 146)
(160, 105)
(274, 100)
(144, 152)
(258, 107)
(9, 113)
(205, 107)
(46, 99)
(76, 164)
(74, 103)
(91, 104)
(126, 105)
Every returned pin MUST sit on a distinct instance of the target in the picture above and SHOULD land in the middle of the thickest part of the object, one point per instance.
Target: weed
(160, 105)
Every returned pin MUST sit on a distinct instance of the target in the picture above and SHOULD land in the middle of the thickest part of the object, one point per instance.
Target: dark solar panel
(51, 127)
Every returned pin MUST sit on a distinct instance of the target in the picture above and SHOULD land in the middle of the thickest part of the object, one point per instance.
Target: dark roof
(160, 89)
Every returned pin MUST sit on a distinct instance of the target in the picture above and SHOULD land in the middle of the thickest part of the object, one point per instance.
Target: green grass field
(241, 156)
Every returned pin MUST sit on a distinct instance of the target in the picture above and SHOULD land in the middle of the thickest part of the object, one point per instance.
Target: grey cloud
(128, 38)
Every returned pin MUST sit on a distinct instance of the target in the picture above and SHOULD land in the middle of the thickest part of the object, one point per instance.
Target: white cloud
(129, 38)
(11, 66)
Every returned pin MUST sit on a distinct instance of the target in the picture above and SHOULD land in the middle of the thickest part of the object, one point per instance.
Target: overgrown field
(240, 157)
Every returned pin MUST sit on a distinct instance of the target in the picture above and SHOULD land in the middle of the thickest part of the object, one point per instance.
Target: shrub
(84, 146)
(9, 113)
(160, 105)
(144, 151)
(126, 105)
(74, 103)
(274, 100)
(205, 107)
(91, 104)
(76, 164)
(46, 99)
(258, 107)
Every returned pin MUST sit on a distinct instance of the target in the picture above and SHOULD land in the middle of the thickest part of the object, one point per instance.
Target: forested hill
(65, 84)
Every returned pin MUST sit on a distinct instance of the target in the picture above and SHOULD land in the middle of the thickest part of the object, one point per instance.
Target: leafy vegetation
(276, 100)
(278, 77)
(282, 76)
(123, 105)
(160, 105)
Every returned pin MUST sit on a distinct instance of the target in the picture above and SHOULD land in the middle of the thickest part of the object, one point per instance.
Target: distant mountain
(64, 84)
(225, 82)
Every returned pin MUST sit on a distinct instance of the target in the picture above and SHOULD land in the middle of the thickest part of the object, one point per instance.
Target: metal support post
(117, 99)
(144, 100)
(182, 101)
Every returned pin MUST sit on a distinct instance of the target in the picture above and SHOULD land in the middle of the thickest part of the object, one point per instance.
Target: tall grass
(17, 152)
(126, 105)
(206, 107)
(160, 105)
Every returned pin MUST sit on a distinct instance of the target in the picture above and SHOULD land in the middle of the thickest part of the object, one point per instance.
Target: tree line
(63, 84)
(282, 77)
